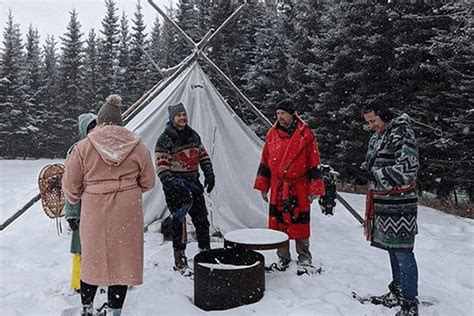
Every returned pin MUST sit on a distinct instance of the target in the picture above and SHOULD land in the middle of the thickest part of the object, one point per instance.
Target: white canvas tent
(233, 147)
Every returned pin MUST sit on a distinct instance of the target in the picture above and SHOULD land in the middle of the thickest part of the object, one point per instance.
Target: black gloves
(171, 185)
(209, 183)
(73, 223)
(361, 176)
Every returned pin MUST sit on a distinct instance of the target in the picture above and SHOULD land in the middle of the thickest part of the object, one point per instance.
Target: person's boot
(181, 263)
(305, 267)
(87, 310)
(391, 299)
(281, 265)
(409, 308)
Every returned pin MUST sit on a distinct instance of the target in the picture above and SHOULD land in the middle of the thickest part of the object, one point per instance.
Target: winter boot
(305, 267)
(390, 299)
(181, 263)
(281, 265)
(409, 308)
(87, 310)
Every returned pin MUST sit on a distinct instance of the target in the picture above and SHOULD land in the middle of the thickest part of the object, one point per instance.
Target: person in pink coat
(108, 171)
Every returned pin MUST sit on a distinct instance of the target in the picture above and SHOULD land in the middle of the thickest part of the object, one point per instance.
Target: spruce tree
(91, 83)
(138, 60)
(51, 140)
(33, 105)
(109, 50)
(71, 79)
(14, 120)
(169, 42)
(155, 50)
(123, 74)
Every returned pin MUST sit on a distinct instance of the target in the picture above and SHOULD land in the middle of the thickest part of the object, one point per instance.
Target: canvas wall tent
(233, 147)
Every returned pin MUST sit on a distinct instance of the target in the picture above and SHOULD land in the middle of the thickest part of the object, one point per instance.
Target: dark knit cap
(110, 112)
(175, 109)
(287, 106)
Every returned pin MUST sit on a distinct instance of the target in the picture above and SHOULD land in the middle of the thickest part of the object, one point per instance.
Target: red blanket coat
(289, 167)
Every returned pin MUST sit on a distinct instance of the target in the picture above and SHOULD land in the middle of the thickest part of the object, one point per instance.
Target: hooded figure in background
(72, 212)
(108, 171)
(179, 154)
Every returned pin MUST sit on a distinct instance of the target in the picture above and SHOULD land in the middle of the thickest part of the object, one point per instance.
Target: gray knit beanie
(175, 109)
(110, 113)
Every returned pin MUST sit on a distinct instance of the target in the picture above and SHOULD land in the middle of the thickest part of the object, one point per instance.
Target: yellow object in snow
(76, 272)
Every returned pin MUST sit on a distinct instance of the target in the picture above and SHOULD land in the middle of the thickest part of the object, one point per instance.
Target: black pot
(218, 287)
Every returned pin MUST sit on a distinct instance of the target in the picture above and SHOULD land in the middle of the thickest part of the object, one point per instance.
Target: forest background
(330, 57)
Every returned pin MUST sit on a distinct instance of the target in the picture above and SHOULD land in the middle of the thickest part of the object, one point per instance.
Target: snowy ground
(35, 265)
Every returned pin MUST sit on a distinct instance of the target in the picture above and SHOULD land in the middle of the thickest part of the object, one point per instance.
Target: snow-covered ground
(35, 264)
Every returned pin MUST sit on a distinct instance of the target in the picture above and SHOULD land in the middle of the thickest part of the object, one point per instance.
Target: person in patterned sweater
(290, 170)
(391, 167)
(179, 153)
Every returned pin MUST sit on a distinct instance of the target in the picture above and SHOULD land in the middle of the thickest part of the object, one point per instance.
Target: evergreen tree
(155, 50)
(33, 105)
(123, 75)
(50, 141)
(266, 77)
(169, 42)
(14, 120)
(109, 51)
(187, 19)
(71, 79)
(92, 96)
(138, 60)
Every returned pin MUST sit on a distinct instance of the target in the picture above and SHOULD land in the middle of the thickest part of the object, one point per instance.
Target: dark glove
(73, 223)
(209, 183)
(361, 176)
(171, 185)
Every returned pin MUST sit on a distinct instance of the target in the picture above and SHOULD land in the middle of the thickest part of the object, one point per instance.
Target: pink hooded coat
(109, 170)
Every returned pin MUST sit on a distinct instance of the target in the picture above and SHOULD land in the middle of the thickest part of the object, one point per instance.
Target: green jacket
(74, 210)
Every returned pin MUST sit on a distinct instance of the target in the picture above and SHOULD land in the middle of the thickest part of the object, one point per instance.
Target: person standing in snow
(108, 171)
(290, 169)
(179, 153)
(390, 168)
(72, 212)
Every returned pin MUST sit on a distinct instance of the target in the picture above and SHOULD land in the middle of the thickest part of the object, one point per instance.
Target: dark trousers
(198, 213)
(405, 272)
(115, 294)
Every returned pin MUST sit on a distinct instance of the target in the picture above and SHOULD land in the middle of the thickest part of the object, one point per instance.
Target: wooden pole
(350, 209)
(20, 212)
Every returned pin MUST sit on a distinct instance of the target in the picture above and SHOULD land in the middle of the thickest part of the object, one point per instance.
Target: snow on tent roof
(233, 147)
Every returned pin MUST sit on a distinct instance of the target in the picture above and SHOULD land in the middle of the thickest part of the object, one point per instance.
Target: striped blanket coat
(392, 156)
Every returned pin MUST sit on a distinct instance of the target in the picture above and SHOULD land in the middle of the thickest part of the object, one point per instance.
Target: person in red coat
(290, 170)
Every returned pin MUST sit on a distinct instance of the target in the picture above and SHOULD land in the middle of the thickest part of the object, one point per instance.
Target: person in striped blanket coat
(391, 167)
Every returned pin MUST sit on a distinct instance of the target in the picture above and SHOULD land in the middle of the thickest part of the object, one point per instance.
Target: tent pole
(200, 53)
(160, 88)
(350, 208)
(20, 212)
(151, 59)
(176, 26)
(224, 77)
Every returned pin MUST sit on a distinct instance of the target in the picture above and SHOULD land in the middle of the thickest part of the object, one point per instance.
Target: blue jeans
(405, 272)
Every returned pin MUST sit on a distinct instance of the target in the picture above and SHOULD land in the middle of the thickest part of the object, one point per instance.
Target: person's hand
(209, 183)
(361, 176)
(264, 196)
(73, 223)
